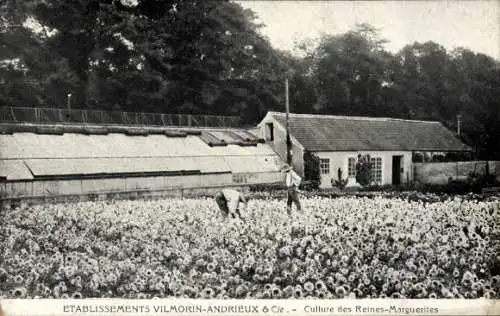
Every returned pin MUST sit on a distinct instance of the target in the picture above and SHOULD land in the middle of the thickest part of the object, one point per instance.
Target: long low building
(339, 141)
(38, 160)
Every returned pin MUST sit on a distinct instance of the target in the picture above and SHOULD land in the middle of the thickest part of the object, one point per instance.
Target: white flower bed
(344, 247)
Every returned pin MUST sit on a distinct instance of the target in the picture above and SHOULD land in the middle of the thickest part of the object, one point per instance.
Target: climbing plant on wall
(312, 177)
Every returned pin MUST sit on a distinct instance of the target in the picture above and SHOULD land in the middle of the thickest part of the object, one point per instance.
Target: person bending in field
(292, 181)
(229, 200)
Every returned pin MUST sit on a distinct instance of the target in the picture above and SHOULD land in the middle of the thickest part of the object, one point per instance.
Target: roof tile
(344, 133)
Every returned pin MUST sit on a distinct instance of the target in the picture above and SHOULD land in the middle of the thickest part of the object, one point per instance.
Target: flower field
(347, 247)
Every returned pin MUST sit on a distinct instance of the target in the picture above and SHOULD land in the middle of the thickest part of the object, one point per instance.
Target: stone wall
(441, 172)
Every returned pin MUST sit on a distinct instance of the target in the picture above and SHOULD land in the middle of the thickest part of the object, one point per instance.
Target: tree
(437, 85)
(349, 72)
(148, 55)
(354, 75)
(209, 57)
(476, 94)
(30, 72)
(301, 82)
(215, 61)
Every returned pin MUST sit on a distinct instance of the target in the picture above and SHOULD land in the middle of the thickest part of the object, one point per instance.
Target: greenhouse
(50, 160)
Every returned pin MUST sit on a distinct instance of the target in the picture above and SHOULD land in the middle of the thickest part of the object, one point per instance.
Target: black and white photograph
(250, 150)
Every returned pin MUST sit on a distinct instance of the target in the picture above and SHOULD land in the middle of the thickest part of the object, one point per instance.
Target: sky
(471, 24)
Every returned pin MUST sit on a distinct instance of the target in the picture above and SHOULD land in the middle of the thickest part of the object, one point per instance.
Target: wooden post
(68, 116)
(288, 140)
(69, 102)
(84, 116)
(13, 115)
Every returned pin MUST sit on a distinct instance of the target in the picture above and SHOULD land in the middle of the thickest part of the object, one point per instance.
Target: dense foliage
(209, 57)
(352, 74)
(364, 174)
(341, 182)
(337, 248)
(312, 176)
(151, 56)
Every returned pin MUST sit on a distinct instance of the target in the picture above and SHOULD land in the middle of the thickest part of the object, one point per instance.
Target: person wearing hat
(229, 200)
(292, 181)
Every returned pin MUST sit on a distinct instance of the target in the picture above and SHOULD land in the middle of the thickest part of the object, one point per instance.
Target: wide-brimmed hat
(286, 168)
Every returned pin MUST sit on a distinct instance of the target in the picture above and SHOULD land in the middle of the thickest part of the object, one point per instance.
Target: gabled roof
(351, 133)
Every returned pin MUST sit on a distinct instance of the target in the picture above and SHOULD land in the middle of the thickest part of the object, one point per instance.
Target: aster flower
(298, 293)
(340, 291)
(320, 286)
(309, 286)
(181, 243)
(276, 292)
(19, 292)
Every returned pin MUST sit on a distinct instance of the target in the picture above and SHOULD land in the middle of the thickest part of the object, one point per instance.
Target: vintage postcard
(186, 157)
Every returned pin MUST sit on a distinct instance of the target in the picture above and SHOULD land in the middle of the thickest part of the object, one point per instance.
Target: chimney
(459, 123)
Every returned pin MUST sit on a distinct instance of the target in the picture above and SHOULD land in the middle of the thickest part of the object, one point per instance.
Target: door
(396, 170)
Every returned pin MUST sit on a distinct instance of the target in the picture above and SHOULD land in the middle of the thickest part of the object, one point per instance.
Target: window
(324, 165)
(269, 132)
(351, 167)
(376, 169)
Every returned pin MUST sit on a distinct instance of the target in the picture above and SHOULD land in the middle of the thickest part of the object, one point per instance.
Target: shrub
(266, 187)
(312, 176)
(458, 156)
(417, 157)
(340, 183)
(364, 170)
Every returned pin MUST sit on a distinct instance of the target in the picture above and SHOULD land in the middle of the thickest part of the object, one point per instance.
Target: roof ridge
(347, 117)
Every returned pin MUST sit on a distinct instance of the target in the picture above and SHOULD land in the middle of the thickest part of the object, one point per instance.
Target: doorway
(397, 169)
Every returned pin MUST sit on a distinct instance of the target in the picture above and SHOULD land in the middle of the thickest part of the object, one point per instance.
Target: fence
(441, 172)
(12, 114)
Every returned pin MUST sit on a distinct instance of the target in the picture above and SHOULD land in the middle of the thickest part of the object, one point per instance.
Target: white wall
(279, 144)
(441, 172)
(339, 159)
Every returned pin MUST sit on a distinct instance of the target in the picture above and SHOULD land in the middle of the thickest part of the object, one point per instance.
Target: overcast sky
(471, 24)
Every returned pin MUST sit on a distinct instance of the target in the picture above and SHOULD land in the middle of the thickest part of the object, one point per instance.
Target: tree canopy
(209, 57)
(352, 74)
(157, 56)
